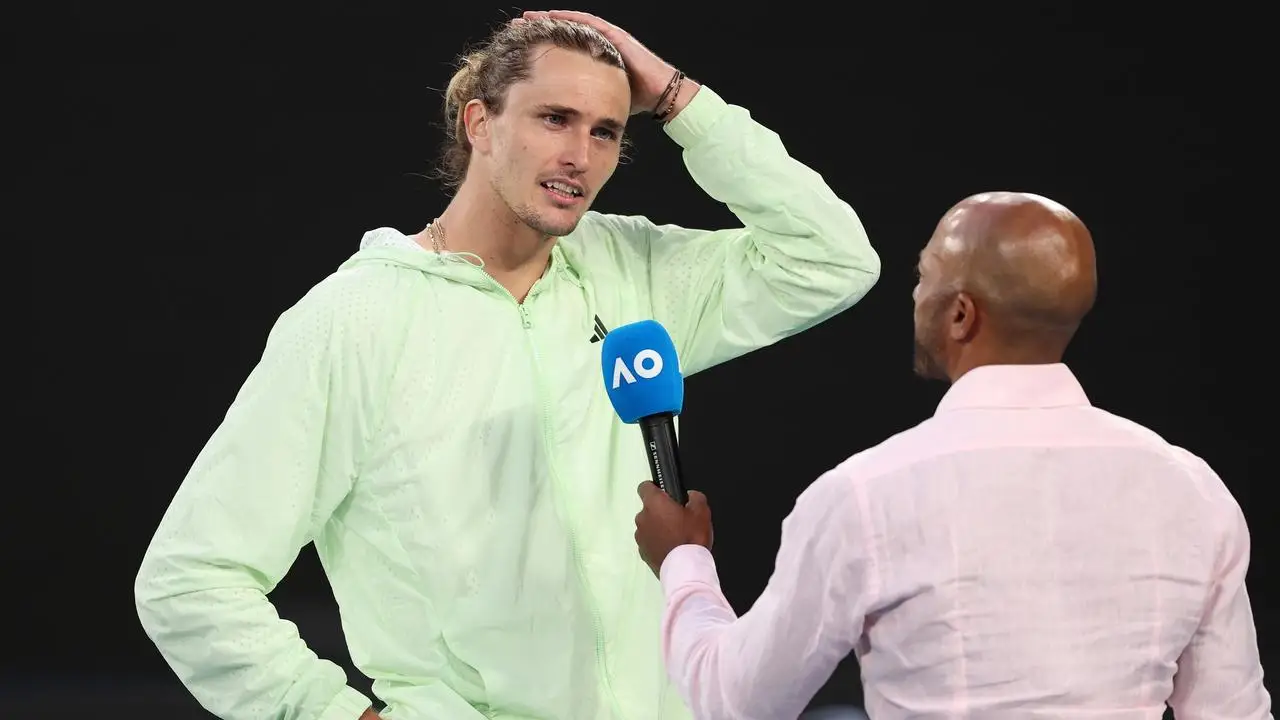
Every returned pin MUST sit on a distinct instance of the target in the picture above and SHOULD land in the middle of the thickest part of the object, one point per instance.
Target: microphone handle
(663, 449)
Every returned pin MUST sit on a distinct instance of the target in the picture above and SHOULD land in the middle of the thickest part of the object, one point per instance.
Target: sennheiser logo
(599, 331)
(657, 464)
(647, 364)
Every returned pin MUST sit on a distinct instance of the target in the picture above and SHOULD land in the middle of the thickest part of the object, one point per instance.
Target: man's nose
(576, 151)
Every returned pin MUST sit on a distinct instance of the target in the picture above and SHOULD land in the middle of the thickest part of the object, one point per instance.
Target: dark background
(194, 175)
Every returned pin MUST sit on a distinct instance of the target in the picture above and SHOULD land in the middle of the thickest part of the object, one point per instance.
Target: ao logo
(647, 364)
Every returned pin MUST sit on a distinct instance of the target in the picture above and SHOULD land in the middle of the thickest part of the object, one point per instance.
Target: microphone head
(641, 371)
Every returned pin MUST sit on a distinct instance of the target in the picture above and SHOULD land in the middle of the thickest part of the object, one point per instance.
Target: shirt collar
(1014, 386)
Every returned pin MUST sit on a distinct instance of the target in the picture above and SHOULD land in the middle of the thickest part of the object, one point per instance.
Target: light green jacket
(454, 458)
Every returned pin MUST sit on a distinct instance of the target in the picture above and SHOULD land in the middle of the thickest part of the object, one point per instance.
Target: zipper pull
(524, 317)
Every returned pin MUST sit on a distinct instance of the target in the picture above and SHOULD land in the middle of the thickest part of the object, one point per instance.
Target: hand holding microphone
(643, 380)
(662, 525)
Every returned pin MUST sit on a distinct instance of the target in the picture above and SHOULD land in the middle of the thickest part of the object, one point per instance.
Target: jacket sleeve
(800, 257)
(263, 486)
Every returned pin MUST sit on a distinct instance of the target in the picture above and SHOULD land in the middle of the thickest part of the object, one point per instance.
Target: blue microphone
(642, 378)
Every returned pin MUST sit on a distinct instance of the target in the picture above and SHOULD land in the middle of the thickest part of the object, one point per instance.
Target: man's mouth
(563, 189)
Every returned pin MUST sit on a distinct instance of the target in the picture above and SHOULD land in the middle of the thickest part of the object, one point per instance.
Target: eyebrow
(610, 123)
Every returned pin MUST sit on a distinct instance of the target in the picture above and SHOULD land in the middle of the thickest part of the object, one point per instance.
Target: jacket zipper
(596, 628)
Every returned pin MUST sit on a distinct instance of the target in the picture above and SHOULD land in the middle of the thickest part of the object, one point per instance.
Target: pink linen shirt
(1020, 554)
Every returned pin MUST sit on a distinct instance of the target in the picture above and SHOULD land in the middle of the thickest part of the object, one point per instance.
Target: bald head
(1026, 259)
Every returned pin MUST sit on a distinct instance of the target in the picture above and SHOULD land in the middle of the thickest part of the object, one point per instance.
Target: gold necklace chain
(437, 236)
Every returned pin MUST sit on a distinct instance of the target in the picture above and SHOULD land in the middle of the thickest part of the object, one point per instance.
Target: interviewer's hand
(663, 524)
(369, 714)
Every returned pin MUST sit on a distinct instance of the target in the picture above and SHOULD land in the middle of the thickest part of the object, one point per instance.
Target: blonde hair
(486, 73)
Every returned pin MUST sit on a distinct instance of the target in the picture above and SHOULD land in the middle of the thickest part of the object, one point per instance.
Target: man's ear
(475, 118)
(962, 323)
